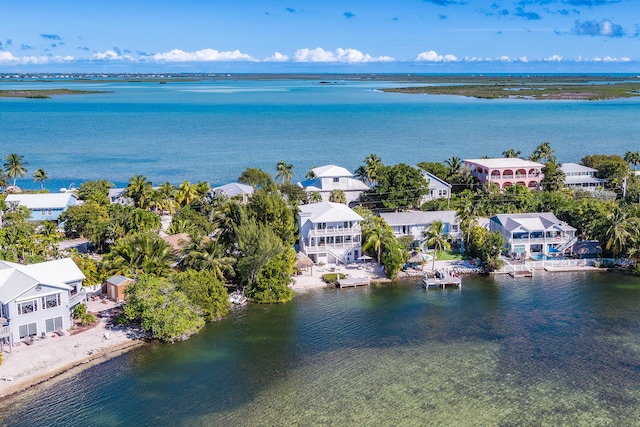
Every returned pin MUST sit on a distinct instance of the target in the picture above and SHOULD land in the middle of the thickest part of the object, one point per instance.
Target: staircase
(338, 256)
(566, 245)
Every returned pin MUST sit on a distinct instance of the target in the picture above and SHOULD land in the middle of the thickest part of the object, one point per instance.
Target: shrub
(79, 311)
(333, 277)
(87, 318)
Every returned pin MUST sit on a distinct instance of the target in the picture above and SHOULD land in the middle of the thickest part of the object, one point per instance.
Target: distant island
(545, 88)
(45, 93)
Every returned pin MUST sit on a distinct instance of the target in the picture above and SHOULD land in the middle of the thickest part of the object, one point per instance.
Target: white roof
(575, 167)
(504, 162)
(42, 200)
(16, 279)
(330, 171)
(531, 221)
(234, 189)
(328, 212)
(396, 219)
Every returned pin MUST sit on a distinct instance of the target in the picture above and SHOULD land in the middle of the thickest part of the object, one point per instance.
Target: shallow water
(561, 348)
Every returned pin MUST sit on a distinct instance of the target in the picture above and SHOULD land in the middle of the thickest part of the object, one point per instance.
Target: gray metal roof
(419, 217)
(530, 222)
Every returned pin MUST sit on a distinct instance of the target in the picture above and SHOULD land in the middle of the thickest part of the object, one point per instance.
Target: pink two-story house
(506, 172)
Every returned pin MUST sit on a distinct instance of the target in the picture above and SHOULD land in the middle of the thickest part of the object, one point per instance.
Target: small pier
(352, 282)
(525, 272)
(441, 279)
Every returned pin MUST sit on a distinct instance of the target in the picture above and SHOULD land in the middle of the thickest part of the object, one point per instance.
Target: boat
(237, 298)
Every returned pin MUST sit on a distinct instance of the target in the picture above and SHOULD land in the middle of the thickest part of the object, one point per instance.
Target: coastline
(44, 360)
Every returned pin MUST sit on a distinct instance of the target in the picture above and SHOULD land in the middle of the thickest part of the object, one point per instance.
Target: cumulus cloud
(604, 28)
(203, 55)
(604, 59)
(7, 58)
(553, 58)
(339, 55)
(433, 56)
(277, 57)
(50, 36)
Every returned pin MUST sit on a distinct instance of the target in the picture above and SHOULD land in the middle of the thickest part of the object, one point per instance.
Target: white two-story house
(331, 177)
(415, 223)
(38, 298)
(534, 234)
(580, 177)
(330, 233)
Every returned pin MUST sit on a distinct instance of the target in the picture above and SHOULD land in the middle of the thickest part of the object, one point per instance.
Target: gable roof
(328, 212)
(531, 222)
(575, 167)
(43, 200)
(395, 219)
(330, 171)
(234, 189)
(16, 279)
(431, 178)
(118, 280)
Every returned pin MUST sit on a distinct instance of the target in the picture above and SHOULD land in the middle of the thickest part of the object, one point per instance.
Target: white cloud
(203, 55)
(433, 56)
(339, 55)
(604, 59)
(524, 59)
(277, 57)
(8, 58)
(107, 55)
(553, 58)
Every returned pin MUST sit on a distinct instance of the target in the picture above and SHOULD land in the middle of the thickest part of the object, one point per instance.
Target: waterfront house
(234, 189)
(415, 223)
(43, 206)
(438, 188)
(330, 233)
(580, 177)
(534, 234)
(506, 172)
(38, 298)
(331, 177)
(116, 286)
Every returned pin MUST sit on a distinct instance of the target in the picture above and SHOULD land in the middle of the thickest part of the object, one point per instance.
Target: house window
(336, 180)
(50, 301)
(25, 307)
(454, 228)
(53, 324)
(321, 226)
(49, 212)
(339, 239)
(27, 330)
(43, 212)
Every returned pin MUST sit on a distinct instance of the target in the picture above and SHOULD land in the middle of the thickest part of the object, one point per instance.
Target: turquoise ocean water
(213, 130)
(557, 349)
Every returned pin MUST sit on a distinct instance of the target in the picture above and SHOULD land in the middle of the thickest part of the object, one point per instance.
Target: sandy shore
(46, 358)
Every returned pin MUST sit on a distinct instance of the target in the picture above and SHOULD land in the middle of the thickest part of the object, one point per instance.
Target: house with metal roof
(415, 223)
(580, 177)
(43, 206)
(534, 234)
(332, 177)
(37, 299)
(506, 172)
(438, 188)
(234, 189)
(330, 233)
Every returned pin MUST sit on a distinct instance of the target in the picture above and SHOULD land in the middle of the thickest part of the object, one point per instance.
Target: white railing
(5, 331)
(328, 247)
(564, 239)
(77, 298)
(335, 231)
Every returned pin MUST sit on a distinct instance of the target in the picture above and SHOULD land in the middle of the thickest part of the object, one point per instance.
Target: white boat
(237, 298)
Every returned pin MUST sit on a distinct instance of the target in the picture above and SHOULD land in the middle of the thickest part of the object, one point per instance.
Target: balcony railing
(328, 246)
(5, 331)
(561, 239)
(77, 298)
(333, 231)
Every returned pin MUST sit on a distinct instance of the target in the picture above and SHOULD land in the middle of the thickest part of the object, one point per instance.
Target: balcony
(335, 231)
(77, 298)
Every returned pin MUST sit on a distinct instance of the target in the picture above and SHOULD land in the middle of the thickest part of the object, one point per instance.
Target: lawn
(451, 256)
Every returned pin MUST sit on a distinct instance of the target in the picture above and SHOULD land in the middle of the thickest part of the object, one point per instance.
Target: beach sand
(29, 365)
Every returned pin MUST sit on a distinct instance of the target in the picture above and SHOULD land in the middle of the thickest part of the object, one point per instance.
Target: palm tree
(371, 169)
(543, 152)
(139, 189)
(168, 192)
(619, 230)
(284, 171)
(338, 196)
(40, 176)
(511, 153)
(315, 197)
(204, 253)
(377, 236)
(436, 237)
(455, 165)
(633, 158)
(187, 193)
(141, 253)
(467, 214)
(311, 174)
(14, 166)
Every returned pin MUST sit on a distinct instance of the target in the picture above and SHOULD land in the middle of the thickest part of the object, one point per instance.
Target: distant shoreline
(45, 93)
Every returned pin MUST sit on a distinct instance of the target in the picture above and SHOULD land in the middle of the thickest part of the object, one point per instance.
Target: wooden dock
(441, 279)
(352, 282)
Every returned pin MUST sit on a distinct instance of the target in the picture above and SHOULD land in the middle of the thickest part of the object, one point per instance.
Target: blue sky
(331, 36)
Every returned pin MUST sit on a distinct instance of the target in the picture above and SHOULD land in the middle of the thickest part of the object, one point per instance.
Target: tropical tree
(376, 236)
(167, 192)
(315, 197)
(633, 158)
(187, 193)
(618, 231)
(511, 153)
(205, 253)
(455, 165)
(14, 166)
(139, 190)
(40, 176)
(399, 187)
(436, 237)
(554, 177)
(206, 291)
(372, 167)
(311, 174)
(140, 253)
(257, 244)
(338, 196)
(95, 191)
(284, 171)
(543, 152)
(256, 178)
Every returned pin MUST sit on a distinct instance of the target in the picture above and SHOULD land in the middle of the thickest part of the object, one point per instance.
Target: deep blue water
(213, 130)
(557, 349)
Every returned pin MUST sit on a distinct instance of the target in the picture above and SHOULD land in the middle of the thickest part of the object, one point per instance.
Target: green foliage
(338, 196)
(487, 246)
(270, 209)
(272, 282)
(140, 253)
(438, 169)
(205, 253)
(554, 177)
(79, 311)
(284, 171)
(398, 187)
(89, 267)
(163, 311)
(393, 258)
(256, 178)
(333, 277)
(87, 318)
(15, 166)
(95, 191)
(206, 291)
(611, 167)
(293, 193)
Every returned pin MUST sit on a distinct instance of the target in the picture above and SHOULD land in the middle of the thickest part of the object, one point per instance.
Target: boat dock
(352, 282)
(441, 279)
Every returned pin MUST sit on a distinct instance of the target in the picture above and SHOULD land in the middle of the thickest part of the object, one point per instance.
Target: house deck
(352, 282)
(441, 279)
